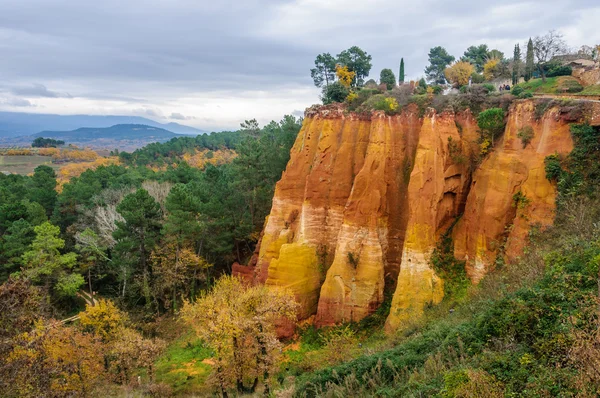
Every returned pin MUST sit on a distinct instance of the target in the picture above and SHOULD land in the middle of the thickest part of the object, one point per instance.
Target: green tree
(92, 251)
(529, 61)
(516, 66)
(41, 142)
(401, 75)
(42, 188)
(324, 70)
(496, 54)
(388, 78)
(137, 236)
(477, 56)
(13, 244)
(357, 61)
(439, 59)
(491, 124)
(335, 92)
(44, 264)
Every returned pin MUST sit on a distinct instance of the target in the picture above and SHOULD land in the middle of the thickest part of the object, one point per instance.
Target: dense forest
(104, 214)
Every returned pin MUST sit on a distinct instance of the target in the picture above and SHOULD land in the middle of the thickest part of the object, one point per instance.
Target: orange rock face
(510, 191)
(437, 191)
(364, 200)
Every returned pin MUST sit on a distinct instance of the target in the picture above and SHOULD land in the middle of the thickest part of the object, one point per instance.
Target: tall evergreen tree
(516, 69)
(138, 235)
(439, 59)
(529, 61)
(401, 75)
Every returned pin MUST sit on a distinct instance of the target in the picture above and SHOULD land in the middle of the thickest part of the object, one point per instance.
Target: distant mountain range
(118, 132)
(15, 124)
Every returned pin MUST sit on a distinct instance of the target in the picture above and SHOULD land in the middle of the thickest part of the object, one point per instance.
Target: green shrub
(335, 92)
(526, 135)
(437, 89)
(477, 78)
(559, 70)
(491, 123)
(517, 90)
(451, 270)
(553, 167)
(489, 87)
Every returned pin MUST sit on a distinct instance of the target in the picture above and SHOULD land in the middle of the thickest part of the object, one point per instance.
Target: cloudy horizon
(212, 65)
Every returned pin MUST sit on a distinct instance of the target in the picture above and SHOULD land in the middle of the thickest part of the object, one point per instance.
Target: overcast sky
(212, 64)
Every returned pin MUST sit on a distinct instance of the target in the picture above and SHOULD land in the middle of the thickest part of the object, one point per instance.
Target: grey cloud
(38, 90)
(18, 102)
(179, 116)
(152, 50)
(153, 112)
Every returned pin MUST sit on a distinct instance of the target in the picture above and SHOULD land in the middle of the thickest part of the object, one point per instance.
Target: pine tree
(401, 75)
(529, 61)
(516, 65)
(138, 235)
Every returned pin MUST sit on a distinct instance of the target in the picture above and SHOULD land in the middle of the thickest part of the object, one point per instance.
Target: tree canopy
(439, 59)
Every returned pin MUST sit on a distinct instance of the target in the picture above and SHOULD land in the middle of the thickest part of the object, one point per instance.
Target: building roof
(582, 62)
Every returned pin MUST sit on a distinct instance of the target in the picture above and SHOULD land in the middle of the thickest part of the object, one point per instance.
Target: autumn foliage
(238, 322)
(200, 158)
(459, 73)
(345, 76)
(72, 170)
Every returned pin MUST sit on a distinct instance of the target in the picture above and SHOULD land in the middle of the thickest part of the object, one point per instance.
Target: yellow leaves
(459, 73)
(104, 319)
(490, 69)
(485, 146)
(344, 75)
(18, 152)
(200, 158)
(238, 321)
(352, 96)
(72, 170)
(392, 103)
(54, 152)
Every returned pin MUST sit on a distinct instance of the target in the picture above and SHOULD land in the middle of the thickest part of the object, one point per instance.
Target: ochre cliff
(510, 191)
(365, 198)
(437, 191)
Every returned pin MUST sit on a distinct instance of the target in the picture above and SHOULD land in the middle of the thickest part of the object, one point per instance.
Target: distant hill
(119, 132)
(15, 124)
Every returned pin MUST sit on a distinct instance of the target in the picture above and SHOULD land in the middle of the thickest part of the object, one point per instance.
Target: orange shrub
(18, 152)
(54, 152)
(72, 170)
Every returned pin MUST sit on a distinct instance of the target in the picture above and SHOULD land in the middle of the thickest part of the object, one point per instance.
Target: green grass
(591, 90)
(181, 366)
(25, 164)
(552, 85)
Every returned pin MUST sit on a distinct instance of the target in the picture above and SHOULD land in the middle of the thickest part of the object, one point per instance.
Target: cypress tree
(516, 72)
(529, 61)
(401, 75)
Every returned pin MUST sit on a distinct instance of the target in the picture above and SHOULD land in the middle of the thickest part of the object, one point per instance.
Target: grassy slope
(552, 85)
(591, 90)
(517, 342)
(182, 366)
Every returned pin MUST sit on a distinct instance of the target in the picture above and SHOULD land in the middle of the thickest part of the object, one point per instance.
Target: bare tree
(547, 47)
(159, 191)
